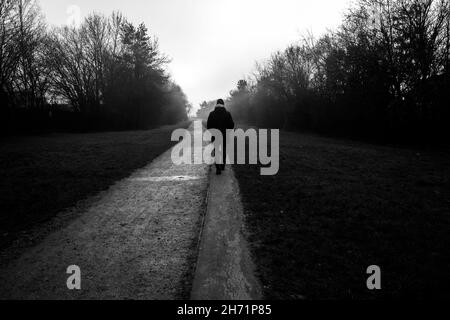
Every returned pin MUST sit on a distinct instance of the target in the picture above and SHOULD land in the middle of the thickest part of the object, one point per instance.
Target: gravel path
(137, 240)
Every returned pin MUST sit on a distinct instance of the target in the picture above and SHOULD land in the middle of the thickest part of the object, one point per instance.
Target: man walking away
(221, 120)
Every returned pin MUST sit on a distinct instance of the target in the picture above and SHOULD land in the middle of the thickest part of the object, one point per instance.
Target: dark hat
(220, 101)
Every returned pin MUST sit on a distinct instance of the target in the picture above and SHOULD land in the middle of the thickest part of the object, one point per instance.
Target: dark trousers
(224, 154)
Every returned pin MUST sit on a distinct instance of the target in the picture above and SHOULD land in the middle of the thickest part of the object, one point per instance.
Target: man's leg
(219, 167)
(224, 154)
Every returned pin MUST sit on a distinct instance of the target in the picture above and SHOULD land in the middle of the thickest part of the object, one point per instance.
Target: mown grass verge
(337, 207)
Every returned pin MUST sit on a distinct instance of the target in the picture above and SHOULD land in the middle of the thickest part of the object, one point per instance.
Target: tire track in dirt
(225, 270)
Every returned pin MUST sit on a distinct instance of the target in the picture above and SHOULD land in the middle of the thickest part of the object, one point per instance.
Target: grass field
(42, 175)
(337, 207)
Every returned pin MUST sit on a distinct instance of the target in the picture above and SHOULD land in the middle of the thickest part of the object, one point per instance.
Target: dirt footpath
(136, 240)
(225, 270)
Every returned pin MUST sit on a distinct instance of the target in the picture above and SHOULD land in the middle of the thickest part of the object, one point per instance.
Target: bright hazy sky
(214, 43)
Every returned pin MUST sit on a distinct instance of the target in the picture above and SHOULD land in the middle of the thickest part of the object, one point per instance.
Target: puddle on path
(167, 178)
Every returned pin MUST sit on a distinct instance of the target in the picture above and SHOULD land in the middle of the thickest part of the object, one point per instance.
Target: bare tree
(9, 50)
(30, 78)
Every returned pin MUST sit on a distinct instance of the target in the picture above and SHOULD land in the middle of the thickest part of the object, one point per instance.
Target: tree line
(384, 74)
(104, 74)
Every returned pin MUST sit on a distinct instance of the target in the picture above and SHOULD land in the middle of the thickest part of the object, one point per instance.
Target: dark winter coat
(220, 119)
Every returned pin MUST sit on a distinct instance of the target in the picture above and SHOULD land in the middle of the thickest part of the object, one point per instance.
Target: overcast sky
(214, 43)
